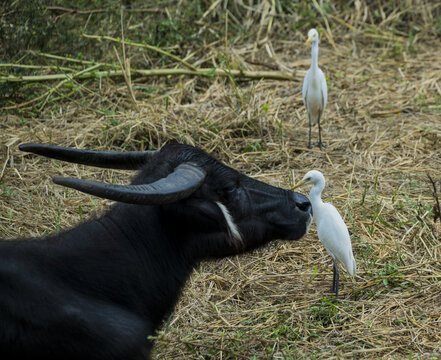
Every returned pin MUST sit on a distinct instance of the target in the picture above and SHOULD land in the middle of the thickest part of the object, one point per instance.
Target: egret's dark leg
(337, 278)
(320, 144)
(310, 128)
(333, 277)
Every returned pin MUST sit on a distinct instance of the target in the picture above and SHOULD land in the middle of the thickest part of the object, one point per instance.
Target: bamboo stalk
(57, 57)
(272, 75)
(97, 11)
(47, 93)
(38, 67)
(146, 46)
(68, 77)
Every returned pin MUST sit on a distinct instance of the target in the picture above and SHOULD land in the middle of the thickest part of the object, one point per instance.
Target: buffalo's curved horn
(181, 183)
(130, 160)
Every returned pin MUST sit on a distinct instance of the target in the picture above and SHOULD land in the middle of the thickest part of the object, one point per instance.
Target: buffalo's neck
(143, 269)
(159, 265)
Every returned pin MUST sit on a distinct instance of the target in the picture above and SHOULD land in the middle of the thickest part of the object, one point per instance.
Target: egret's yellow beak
(309, 39)
(300, 183)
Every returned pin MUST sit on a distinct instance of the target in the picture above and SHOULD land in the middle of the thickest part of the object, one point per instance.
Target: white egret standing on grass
(315, 90)
(331, 229)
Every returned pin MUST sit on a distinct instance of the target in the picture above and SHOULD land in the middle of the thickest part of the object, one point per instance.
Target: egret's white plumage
(315, 89)
(331, 229)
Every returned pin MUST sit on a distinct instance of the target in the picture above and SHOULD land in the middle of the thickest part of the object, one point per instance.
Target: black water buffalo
(98, 290)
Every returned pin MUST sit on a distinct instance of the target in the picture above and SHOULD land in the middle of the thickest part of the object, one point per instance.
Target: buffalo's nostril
(304, 206)
(302, 202)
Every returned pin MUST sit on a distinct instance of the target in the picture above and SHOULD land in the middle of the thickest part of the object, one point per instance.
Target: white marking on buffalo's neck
(230, 222)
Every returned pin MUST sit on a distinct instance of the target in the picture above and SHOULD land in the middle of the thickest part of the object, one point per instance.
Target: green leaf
(209, 73)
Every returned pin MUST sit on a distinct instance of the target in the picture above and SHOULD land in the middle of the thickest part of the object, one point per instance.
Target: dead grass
(382, 128)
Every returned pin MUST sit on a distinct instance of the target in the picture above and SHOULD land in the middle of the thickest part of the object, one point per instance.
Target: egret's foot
(309, 146)
(320, 145)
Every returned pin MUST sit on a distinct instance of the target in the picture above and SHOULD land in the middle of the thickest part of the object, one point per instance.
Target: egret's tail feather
(353, 270)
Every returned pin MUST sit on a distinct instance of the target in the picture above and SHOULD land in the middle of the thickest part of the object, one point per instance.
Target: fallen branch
(37, 67)
(96, 11)
(253, 62)
(64, 77)
(69, 77)
(75, 11)
(88, 74)
(145, 46)
(63, 58)
(92, 72)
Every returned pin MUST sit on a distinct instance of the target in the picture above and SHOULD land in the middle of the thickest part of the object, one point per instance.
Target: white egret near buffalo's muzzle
(331, 229)
(315, 90)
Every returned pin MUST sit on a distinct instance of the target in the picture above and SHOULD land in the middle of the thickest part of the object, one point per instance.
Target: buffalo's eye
(227, 191)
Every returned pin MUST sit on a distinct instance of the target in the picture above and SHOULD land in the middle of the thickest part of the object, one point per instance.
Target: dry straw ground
(382, 129)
